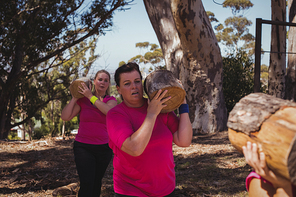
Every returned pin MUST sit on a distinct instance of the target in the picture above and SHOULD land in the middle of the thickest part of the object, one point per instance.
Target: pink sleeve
(119, 127)
(108, 98)
(252, 175)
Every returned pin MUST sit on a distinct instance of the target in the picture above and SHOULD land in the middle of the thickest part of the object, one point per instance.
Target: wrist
(93, 99)
(184, 108)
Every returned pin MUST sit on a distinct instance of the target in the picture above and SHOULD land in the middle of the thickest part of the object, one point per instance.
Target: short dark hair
(126, 68)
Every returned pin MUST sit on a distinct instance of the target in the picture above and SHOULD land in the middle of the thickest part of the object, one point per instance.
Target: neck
(99, 94)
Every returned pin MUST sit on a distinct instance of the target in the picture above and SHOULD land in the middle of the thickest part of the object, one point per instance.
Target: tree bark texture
(277, 65)
(192, 53)
(269, 122)
(291, 74)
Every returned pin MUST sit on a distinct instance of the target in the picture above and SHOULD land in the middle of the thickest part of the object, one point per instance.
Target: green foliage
(264, 78)
(237, 5)
(212, 17)
(153, 56)
(121, 63)
(113, 92)
(234, 34)
(13, 136)
(238, 78)
(43, 47)
(40, 132)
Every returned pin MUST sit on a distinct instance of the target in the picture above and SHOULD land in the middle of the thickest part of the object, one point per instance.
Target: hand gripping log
(271, 123)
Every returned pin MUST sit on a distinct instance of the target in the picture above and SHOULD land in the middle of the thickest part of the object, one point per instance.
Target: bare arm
(183, 136)
(103, 107)
(70, 110)
(138, 141)
(281, 186)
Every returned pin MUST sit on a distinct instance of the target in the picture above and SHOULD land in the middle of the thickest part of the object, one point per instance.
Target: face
(101, 82)
(131, 89)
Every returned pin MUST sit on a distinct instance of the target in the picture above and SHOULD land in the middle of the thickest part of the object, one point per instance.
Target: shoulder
(108, 98)
(82, 100)
(117, 109)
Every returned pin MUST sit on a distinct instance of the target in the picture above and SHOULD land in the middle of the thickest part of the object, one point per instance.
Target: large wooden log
(269, 122)
(165, 80)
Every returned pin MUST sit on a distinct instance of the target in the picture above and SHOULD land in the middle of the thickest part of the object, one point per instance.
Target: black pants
(120, 195)
(91, 163)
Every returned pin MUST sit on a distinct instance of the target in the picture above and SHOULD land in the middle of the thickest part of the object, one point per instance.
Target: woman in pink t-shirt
(262, 181)
(141, 138)
(91, 150)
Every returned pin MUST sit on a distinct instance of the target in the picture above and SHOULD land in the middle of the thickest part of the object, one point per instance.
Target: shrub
(238, 78)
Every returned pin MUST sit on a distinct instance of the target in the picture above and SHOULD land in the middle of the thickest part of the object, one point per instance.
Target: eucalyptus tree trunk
(277, 65)
(291, 74)
(192, 53)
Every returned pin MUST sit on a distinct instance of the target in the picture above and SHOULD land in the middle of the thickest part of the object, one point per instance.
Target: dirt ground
(209, 167)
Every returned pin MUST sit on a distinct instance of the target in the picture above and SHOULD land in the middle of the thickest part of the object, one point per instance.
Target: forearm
(68, 111)
(104, 107)
(284, 188)
(138, 141)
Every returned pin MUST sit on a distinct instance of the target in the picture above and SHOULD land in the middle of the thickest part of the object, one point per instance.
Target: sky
(133, 26)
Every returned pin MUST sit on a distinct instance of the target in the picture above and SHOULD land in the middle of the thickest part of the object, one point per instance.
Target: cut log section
(165, 80)
(74, 87)
(269, 122)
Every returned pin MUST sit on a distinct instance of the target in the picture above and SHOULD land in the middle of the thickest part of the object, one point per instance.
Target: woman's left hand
(85, 91)
(157, 103)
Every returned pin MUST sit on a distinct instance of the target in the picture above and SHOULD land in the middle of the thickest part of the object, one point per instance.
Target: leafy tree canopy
(234, 34)
(237, 5)
(153, 56)
(42, 44)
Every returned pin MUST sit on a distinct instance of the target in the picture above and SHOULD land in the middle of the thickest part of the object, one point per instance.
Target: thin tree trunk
(291, 73)
(277, 66)
(192, 53)
(7, 99)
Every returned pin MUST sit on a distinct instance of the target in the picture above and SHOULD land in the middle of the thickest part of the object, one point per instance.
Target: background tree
(36, 34)
(153, 56)
(277, 65)
(264, 78)
(291, 68)
(234, 34)
(56, 81)
(192, 53)
(238, 77)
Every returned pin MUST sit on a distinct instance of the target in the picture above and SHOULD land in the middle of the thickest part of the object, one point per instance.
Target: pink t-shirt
(252, 175)
(92, 125)
(152, 173)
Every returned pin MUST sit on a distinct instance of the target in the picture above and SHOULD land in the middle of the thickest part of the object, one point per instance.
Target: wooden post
(271, 123)
(257, 69)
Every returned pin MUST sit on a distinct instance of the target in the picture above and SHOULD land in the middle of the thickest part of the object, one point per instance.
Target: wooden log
(74, 87)
(165, 80)
(269, 122)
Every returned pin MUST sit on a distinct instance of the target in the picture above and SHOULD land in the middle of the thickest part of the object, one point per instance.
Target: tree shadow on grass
(217, 174)
(35, 170)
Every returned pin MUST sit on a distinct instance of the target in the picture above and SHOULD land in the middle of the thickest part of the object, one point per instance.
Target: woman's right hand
(157, 103)
(258, 162)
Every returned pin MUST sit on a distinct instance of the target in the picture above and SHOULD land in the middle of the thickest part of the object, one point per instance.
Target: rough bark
(291, 73)
(269, 122)
(277, 66)
(192, 53)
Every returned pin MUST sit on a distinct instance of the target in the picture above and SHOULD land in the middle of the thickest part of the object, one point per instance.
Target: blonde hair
(107, 73)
